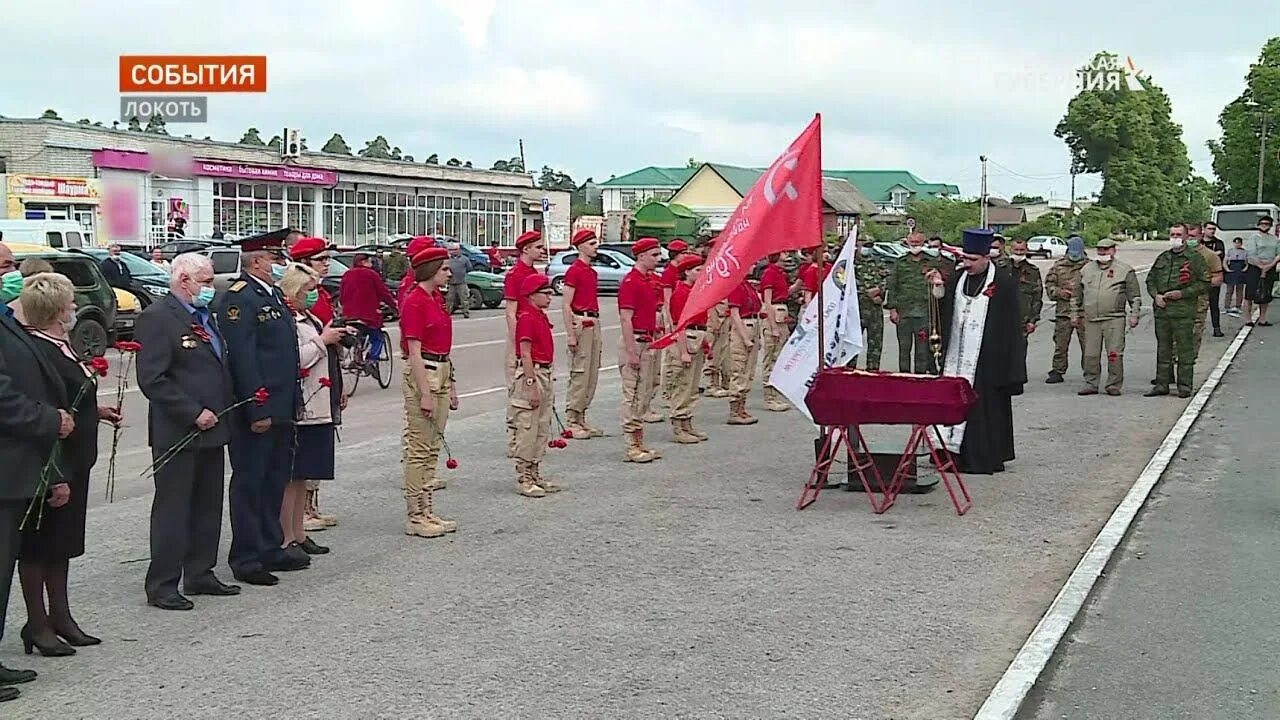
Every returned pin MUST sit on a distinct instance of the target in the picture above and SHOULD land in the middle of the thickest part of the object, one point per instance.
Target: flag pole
(820, 259)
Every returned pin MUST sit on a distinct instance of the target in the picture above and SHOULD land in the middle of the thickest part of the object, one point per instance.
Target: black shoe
(1054, 378)
(212, 586)
(290, 559)
(1157, 391)
(171, 602)
(9, 676)
(311, 547)
(1183, 393)
(74, 636)
(8, 693)
(257, 577)
(1218, 333)
(51, 646)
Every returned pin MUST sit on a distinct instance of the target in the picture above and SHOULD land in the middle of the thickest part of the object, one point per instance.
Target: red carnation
(261, 396)
(922, 335)
(990, 291)
(100, 366)
(567, 434)
(451, 464)
(561, 444)
(127, 346)
(551, 443)
(326, 382)
(1113, 356)
(304, 373)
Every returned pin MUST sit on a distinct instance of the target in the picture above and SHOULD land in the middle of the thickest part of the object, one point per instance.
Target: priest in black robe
(982, 341)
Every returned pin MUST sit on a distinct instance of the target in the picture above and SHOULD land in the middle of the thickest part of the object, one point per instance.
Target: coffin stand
(841, 400)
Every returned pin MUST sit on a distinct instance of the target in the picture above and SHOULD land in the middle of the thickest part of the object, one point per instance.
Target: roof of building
(875, 185)
(1006, 215)
(845, 198)
(652, 177)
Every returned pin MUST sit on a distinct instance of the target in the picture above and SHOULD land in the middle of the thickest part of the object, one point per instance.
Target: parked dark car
(96, 307)
(149, 283)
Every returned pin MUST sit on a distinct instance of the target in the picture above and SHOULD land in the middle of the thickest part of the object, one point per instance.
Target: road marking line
(1024, 671)
(487, 343)
(503, 388)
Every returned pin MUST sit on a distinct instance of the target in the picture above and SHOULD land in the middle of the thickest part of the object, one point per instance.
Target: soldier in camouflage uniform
(870, 275)
(1175, 282)
(998, 256)
(1214, 263)
(396, 265)
(1030, 288)
(1059, 285)
(908, 300)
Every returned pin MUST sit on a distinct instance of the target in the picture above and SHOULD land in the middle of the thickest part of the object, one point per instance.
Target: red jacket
(362, 293)
(323, 309)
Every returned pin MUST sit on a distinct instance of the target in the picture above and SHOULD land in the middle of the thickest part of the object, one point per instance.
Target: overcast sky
(603, 87)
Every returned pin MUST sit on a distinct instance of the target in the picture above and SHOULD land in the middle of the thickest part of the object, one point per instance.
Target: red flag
(783, 211)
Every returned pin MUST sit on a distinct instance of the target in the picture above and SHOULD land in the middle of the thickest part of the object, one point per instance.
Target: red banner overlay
(193, 73)
(783, 211)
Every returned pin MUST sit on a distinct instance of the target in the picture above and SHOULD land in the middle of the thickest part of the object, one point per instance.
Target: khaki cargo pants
(683, 387)
(1106, 335)
(743, 358)
(423, 435)
(1062, 343)
(637, 385)
(771, 348)
(584, 364)
(530, 428)
(720, 344)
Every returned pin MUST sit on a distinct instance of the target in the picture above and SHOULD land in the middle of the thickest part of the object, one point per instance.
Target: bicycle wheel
(352, 369)
(384, 362)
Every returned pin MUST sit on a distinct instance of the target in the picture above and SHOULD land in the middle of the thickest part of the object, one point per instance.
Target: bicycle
(353, 358)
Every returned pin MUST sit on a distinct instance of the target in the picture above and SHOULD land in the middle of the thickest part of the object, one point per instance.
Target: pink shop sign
(272, 173)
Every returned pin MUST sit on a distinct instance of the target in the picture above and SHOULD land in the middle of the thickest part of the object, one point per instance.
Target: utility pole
(983, 202)
(1262, 153)
(522, 165)
(1071, 201)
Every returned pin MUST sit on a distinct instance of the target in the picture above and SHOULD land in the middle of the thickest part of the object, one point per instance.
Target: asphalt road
(1183, 625)
(685, 588)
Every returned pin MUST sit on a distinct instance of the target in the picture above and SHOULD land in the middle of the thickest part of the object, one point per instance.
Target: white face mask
(1018, 257)
(994, 253)
(915, 250)
(1176, 242)
(68, 324)
(1104, 259)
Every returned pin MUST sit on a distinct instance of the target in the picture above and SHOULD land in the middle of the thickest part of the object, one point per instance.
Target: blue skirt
(313, 452)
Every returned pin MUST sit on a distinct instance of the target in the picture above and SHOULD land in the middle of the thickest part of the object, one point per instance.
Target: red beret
(688, 261)
(533, 284)
(677, 246)
(431, 253)
(525, 239)
(308, 247)
(644, 245)
(582, 236)
(418, 244)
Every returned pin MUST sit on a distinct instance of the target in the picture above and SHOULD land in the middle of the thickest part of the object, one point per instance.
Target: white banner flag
(798, 362)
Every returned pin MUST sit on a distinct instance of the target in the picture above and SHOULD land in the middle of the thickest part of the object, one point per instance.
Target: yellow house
(714, 191)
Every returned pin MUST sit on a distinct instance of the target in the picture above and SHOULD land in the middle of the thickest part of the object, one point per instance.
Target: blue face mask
(313, 296)
(203, 297)
(277, 272)
(10, 286)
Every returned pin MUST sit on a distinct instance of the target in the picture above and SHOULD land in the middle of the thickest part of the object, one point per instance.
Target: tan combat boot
(313, 509)
(652, 417)
(773, 401)
(715, 385)
(417, 523)
(738, 413)
(573, 423)
(640, 439)
(680, 431)
(526, 482)
(595, 431)
(688, 427)
(424, 502)
(542, 481)
(636, 453)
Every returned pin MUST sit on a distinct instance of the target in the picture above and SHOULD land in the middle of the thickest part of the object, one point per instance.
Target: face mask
(203, 297)
(1192, 242)
(1018, 257)
(313, 296)
(915, 250)
(68, 324)
(864, 252)
(1104, 259)
(10, 286)
(277, 272)
(1176, 243)
(993, 253)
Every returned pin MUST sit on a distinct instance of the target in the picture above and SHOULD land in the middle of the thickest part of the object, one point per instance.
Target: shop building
(134, 187)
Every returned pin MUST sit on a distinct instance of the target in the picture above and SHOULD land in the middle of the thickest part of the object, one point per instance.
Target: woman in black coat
(47, 312)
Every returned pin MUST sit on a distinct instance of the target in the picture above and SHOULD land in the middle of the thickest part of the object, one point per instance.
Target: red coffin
(841, 396)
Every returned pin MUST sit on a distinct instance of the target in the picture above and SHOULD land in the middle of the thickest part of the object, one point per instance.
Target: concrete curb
(1006, 698)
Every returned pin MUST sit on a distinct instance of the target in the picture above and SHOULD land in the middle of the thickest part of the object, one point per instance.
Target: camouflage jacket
(1169, 272)
(869, 273)
(1064, 275)
(396, 265)
(908, 291)
(1030, 290)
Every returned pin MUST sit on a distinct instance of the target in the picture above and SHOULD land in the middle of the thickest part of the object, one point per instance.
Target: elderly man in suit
(32, 419)
(183, 371)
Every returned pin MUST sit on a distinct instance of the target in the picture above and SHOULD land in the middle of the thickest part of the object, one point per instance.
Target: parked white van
(57, 234)
(1235, 221)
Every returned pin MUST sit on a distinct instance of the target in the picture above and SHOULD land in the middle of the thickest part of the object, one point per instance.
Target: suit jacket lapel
(51, 375)
(188, 320)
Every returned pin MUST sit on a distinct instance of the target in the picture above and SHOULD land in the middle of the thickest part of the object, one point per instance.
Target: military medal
(188, 342)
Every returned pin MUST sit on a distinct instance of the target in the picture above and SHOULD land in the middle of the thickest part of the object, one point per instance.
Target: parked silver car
(610, 267)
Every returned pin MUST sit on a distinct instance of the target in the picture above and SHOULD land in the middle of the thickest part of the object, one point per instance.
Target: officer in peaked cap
(263, 348)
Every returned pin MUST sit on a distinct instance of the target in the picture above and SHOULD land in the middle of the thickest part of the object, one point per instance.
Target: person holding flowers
(183, 369)
(426, 338)
(52, 537)
(313, 454)
(33, 417)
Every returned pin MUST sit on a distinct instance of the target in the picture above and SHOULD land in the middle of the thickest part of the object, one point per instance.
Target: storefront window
(251, 208)
(358, 218)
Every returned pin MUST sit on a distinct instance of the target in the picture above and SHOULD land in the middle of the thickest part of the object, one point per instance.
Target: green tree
(550, 179)
(135, 125)
(84, 121)
(466, 164)
(251, 137)
(1047, 224)
(1235, 154)
(513, 165)
(454, 162)
(336, 146)
(500, 166)
(1020, 199)
(1197, 196)
(693, 163)
(432, 159)
(396, 153)
(880, 232)
(376, 149)
(943, 217)
(1130, 138)
(155, 125)
(1098, 222)
(275, 143)
(50, 114)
